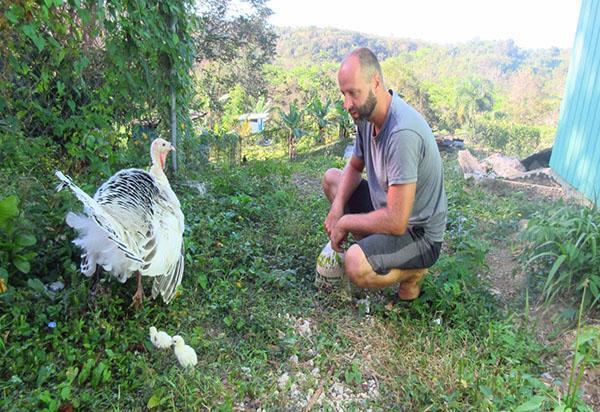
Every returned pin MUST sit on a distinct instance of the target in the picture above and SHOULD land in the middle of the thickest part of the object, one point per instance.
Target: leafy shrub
(564, 252)
(293, 122)
(75, 67)
(509, 138)
(457, 294)
(215, 145)
(14, 243)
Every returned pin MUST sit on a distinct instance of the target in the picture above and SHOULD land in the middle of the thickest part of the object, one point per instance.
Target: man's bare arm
(392, 219)
(349, 181)
(351, 176)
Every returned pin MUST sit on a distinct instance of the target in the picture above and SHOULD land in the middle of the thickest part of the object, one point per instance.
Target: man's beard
(366, 110)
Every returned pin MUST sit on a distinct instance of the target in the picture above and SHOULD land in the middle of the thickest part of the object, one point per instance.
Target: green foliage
(309, 44)
(85, 76)
(319, 111)
(214, 146)
(343, 120)
(235, 105)
(474, 97)
(233, 44)
(443, 98)
(299, 83)
(251, 243)
(73, 68)
(563, 251)
(261, 105)
(15, 241)
(353, 376)
(586, 354)
(292, 122)
(451, 85)
(455, 294)
(509, 138)
(405, 82)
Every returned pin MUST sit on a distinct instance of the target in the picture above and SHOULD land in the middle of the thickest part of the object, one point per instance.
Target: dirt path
(506, 282)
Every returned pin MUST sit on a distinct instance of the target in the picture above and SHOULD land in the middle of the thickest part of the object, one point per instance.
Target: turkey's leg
(139, 293)
(95, 287)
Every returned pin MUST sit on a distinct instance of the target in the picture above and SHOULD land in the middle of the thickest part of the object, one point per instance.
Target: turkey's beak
(172, 148)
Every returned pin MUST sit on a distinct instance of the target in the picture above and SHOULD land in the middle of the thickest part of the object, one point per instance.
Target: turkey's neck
(158, 172)
(157, 168)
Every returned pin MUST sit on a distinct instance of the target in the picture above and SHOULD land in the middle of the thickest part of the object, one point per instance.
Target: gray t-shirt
(405, 151)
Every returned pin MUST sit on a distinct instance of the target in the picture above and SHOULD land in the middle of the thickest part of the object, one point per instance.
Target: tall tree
(233, 43)
(474, 96)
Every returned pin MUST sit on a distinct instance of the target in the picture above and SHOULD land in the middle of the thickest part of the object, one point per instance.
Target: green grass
(264, 336)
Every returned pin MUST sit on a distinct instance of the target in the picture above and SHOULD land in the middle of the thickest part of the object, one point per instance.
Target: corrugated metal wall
(576, 151)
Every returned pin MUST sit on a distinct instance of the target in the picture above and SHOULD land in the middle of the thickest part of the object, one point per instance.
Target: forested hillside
(493, 60)
(310, 44)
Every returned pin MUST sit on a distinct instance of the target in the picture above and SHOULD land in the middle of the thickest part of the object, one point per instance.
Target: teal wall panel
(576, 151)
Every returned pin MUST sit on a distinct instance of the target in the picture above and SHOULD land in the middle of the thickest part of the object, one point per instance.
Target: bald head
(366, 62)
(361, 83)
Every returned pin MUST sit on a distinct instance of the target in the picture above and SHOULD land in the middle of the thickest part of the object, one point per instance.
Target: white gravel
(300, 378)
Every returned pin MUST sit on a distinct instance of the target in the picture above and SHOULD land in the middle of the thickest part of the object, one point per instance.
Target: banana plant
(319, 110)
(261, 105)
(343, 120)
(292, 122)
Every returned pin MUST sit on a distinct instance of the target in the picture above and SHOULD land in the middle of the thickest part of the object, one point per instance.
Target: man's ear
(376, 81)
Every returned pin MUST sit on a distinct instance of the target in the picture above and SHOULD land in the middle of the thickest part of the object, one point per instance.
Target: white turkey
(132, 225)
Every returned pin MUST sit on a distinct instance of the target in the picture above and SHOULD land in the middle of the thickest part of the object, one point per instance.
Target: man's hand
(338, 235)
(332, 219)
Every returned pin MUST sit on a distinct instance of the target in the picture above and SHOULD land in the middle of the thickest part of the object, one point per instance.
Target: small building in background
(255, 121)
(576, 151)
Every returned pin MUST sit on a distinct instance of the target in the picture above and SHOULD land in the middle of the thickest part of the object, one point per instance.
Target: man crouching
(398, 215)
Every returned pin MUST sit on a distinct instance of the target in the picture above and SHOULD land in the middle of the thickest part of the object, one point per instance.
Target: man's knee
(354, 266)
(330, 182)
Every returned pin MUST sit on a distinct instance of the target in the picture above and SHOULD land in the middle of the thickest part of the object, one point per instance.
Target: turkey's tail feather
(167, 284)
(94, 210)
(83, 197)
(88, 265)
(91, 238)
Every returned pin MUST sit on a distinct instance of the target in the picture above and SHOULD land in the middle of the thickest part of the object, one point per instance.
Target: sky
(530, 23)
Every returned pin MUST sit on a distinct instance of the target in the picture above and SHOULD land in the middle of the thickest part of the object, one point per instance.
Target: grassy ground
(265, 337)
